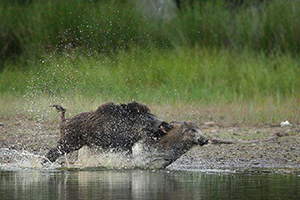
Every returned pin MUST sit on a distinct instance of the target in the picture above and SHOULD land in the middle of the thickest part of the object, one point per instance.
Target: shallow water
(95, 183)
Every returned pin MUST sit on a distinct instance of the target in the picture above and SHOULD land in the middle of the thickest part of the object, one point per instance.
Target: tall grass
(81, 52)
(100, 26)
(198, 83)
(269, 26)
(37, 27)
(185, 75)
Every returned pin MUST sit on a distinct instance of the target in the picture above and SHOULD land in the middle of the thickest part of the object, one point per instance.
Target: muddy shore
(269, 148)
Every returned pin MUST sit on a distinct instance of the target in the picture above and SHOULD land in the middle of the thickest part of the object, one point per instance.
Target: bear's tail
(60, 109)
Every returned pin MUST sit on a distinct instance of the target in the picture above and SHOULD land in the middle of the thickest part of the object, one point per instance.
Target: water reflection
(143, 184)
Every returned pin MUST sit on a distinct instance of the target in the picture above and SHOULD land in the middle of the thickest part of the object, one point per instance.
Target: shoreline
(281, 155)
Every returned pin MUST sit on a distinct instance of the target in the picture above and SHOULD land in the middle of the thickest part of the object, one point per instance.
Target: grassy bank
(213, 60)
(186, 75)
(258, 88)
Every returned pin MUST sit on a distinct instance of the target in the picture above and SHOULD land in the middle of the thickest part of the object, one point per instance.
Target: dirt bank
(267, 147)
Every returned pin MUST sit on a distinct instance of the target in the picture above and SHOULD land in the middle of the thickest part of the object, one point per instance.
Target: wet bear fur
(111, 126)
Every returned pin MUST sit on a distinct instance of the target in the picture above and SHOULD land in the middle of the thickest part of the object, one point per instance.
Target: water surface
(145, 184)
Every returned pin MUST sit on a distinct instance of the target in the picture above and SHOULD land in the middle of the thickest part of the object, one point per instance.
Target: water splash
(139, 159)
(11, 159)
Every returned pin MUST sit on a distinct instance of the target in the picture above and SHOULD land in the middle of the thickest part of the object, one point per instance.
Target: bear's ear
(165, 127)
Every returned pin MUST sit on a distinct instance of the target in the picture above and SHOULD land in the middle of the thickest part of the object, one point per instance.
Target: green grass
(36, 27)
(100, 26)
(260, 88)
(184, 74)
(240, 62)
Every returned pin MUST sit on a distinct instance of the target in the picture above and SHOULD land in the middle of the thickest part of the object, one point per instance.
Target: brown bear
(111, 126)
(178, 138)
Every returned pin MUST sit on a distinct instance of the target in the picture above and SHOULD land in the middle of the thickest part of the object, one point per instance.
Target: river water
(97, 183)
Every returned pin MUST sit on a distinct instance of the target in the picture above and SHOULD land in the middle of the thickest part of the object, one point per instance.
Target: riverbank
(244, 83)
(253, 149)
(265, 148)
